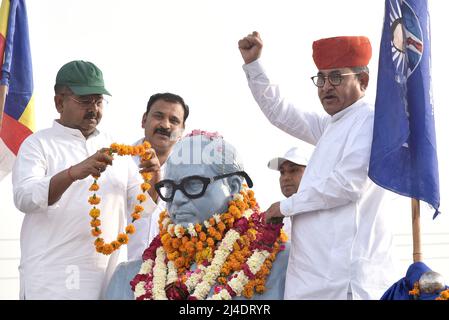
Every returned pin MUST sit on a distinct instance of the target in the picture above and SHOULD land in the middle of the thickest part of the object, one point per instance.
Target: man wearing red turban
(341, 239)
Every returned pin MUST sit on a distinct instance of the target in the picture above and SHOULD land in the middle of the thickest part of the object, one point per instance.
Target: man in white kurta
(341, 238)
(51, 180)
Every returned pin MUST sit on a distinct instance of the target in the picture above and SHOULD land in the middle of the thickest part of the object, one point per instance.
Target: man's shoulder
(362, 114)
(366, 107)
(42, 134)
(129, 266)
(119, 287)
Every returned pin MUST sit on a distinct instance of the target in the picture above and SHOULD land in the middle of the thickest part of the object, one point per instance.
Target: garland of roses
(247, 248)
(122, 238)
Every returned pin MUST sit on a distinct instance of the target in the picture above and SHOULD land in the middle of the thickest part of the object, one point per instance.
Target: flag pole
(416, 227)
(3, 91)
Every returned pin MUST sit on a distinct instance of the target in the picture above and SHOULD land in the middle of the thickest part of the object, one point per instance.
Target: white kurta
(58, 257)
(147, 227)
(341, 238)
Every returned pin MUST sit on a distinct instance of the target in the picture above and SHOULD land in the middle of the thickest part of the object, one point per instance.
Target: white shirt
(341, 238)
(58, 257)
(146, 228)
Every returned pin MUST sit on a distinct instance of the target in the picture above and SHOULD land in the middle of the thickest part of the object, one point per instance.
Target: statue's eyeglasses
(192, 187)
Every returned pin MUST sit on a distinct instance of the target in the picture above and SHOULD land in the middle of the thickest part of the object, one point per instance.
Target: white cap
(295, 155)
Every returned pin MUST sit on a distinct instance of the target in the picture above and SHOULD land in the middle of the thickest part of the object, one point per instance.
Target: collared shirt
(58, 257)
(341, 238)
(147, 227)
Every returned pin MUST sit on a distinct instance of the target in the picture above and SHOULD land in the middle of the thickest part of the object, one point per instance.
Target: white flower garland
(165, 222)
(172, 275)
(160, 275)
(247, 213)
(217, 218)
(171, 229)
(178, 232)
(191, 230)
(199, 281)
(237, 284)
(204, 277)
(145, 268)
(195, 277)
(213, 270)
(139, 290)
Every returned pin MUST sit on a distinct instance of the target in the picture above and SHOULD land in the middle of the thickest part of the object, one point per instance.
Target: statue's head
(203, 172)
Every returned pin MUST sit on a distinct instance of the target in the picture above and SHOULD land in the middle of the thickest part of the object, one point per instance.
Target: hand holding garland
(152, 166)
(94, 165)
(101, 246)
(60, 182)
(273, 213)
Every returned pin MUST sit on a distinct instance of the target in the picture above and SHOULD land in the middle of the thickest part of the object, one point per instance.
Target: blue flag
(403, 155)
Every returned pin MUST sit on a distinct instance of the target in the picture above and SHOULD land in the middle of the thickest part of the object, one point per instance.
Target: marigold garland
(415, 291)
(233, 251)
(444, 295)
(122, 238)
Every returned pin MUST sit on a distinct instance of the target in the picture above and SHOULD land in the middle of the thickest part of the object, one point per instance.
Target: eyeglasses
(85, 102)
(192, 187)
(335, 78)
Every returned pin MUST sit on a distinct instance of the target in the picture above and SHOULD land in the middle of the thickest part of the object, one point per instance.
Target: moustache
(90, 115)
(174, 135)
(162, 131)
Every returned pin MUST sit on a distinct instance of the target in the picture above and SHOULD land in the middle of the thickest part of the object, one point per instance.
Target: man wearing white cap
(291, 167)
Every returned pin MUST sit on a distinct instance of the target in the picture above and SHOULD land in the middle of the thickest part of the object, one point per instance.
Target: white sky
(190, 48)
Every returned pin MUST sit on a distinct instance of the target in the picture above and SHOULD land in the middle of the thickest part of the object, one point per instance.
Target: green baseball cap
(82, 77)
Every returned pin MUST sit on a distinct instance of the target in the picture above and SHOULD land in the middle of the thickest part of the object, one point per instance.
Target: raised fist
(251, 47)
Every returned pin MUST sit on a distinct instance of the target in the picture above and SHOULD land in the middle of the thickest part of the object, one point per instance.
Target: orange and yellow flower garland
(184, 249)
(444, 295)
(122, 238)
(198, 243)
(415, 291)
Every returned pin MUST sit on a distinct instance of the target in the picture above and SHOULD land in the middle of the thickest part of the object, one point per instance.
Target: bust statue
(213, 241)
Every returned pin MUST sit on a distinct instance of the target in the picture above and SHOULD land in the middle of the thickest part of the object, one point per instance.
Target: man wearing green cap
(51, 186)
